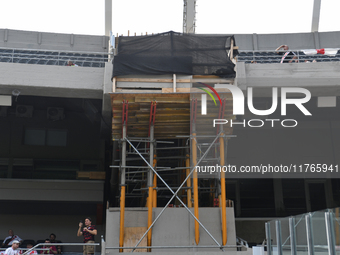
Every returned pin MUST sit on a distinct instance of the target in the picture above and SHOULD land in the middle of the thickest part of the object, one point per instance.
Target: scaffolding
(162, 139)
(161, 142)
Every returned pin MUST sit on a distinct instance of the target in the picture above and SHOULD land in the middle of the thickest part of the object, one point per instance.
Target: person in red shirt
(88, 232)
(52, 248)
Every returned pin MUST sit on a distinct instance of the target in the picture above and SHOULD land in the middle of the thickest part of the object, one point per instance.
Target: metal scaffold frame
(153, 175)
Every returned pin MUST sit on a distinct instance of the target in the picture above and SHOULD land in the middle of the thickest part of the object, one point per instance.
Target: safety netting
(174, 53)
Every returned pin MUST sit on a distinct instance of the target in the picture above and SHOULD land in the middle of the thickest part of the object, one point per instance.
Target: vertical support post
(316, 16)
(114, 84)
(154, 192)
(223, 190)
(194, 163)
(278, 237)
(195, 183)
(231, 55)
(108, 17)
(122, 188)
(150, 184)
(269, 239)
(337, 235)
(292, 233)
(187, 171)
(309, 231)
(174, 83)
(103, 244)
(330, 233)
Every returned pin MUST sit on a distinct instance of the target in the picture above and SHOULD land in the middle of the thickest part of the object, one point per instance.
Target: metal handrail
(60, 244)
(22, 54)
(176, 247)
(271, 56)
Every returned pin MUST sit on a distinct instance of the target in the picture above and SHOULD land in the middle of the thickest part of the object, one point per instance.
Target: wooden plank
(132, 236)
(144, 80)
(118, 98)
(83, 175)
(177, 100)
(178, 90)
(97, 175)
(125, 90)
(91, 175)
(148, 80)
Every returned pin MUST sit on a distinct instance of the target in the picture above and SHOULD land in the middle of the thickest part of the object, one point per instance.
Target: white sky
(157, 16)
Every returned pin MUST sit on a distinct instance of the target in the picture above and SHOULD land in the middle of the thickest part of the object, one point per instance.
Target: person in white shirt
(9, 239)
(29, 246)
(13, 250)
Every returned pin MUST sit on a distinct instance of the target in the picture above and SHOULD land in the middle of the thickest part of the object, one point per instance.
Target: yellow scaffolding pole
(223, 194)
(122, 190)
(150, 185)
(195, 184)
(150, 216)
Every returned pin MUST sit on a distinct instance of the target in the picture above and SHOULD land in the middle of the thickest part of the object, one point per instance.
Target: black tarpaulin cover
(174, 53)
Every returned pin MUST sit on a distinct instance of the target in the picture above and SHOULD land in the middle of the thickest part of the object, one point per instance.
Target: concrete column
(316, 15)
(278, 196)
(108, 17)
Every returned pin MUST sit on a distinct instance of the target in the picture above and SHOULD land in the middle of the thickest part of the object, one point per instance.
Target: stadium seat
(42, 62)
(87, 64)
(33, 61)
(27, 241)
(51, 62)
(95, 64)
(62, 63)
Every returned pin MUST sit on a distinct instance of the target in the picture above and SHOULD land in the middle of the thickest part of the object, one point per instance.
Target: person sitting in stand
(70, 63)
(52, 248)
(10, 238)
(29, 246)
(53, 240)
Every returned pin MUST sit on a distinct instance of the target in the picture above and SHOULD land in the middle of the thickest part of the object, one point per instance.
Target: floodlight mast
(316, 15)
(189, 16)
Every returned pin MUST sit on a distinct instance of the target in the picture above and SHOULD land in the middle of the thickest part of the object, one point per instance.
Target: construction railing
(310, 233)
(266, 57)
(39, 247)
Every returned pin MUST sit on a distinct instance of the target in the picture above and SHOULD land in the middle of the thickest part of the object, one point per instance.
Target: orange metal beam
(223, 194)
(195, 183)
(150, 216)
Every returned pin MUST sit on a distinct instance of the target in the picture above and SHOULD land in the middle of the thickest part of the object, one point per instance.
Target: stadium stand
(52, 57)
(264, 57)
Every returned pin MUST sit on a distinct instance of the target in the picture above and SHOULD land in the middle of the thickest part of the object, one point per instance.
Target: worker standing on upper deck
(89, 231)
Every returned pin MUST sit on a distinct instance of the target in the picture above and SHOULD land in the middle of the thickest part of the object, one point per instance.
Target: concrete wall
(295, 41)
(320, 78)
(51, 190)
(174, 227)
(56, 81)
(52, 41)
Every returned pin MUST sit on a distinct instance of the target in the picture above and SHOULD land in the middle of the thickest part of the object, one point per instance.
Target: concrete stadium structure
(55, 165)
